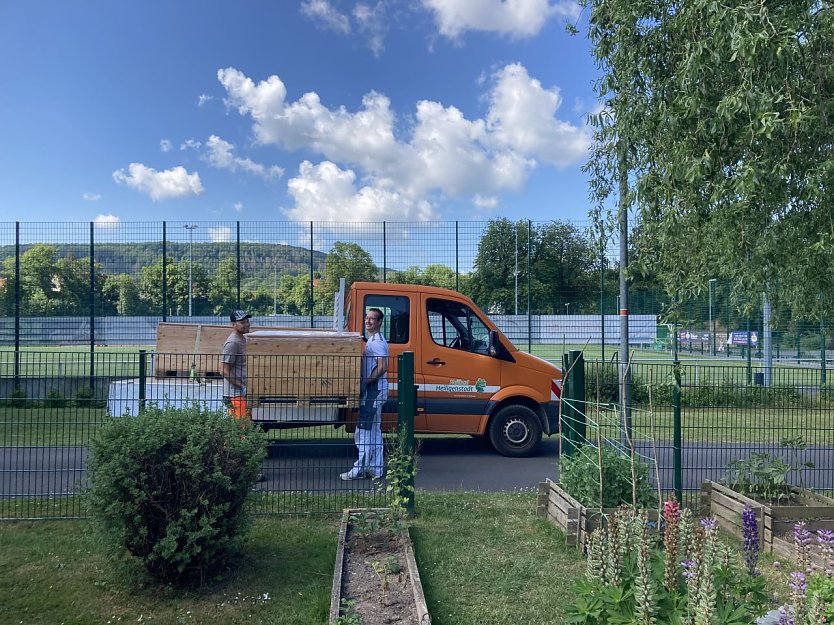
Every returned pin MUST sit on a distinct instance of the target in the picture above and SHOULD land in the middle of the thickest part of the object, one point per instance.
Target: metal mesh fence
(723, 417)
(53, 407)
(547, 282)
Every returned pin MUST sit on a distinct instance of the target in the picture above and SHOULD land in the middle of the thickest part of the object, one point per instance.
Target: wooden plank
(721, 500)
(802, 512)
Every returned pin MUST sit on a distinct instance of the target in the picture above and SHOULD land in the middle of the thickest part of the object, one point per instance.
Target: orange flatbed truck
(470, 378)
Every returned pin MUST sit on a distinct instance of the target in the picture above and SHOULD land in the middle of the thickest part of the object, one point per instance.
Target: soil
(385, 597)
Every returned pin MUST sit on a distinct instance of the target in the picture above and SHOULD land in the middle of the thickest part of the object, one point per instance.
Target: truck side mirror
(493, 343)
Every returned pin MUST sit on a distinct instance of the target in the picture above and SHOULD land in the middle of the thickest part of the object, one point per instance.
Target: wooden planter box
(574, 519)
(346, 566)
(776, 522)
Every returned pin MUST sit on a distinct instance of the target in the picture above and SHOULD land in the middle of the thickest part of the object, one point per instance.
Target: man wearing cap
(233, 365)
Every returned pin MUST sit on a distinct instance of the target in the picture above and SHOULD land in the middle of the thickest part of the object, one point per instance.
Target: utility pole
(515, 273)
(710, 282)
(191, 228)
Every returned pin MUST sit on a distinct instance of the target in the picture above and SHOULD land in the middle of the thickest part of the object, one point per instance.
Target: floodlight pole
(191, 228)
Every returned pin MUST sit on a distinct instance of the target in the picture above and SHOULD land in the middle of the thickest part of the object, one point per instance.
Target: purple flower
(709, 523)
(750, 533)
(688, 568)
(797, 582)
(825, 537)
(801, 535)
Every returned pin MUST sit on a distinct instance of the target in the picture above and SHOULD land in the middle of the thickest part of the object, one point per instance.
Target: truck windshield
(455, 325)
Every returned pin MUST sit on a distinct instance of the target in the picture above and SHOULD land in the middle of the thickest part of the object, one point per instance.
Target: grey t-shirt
(234, 354)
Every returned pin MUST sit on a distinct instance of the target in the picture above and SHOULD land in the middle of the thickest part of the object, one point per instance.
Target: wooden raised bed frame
(423, 617)
(775, 521)
(574, 519)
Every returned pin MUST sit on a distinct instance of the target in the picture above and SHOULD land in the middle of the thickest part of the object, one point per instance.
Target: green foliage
(714, 124)
(764, 477)
(169, 486)
(85, 397)
(54, 399)
(349, 615)
(400, 472)
(17, 398)
(822, 584)
(579, 475)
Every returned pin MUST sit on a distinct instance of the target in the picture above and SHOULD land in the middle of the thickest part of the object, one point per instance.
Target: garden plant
(169, 486)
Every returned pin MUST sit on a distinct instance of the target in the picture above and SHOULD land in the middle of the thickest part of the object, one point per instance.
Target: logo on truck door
(457, 385)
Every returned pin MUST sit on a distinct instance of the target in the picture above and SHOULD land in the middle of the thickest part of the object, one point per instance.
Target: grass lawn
(484, 558)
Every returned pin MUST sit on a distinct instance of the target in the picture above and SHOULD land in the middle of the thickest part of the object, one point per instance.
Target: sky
(276, 110)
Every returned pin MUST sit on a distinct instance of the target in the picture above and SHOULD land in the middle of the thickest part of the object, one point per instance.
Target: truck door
(460, 376)
(400, 330)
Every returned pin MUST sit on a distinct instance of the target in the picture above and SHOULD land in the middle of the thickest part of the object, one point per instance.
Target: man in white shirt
(368, 434)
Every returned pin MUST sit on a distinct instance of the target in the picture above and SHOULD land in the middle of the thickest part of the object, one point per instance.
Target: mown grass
(484, 558)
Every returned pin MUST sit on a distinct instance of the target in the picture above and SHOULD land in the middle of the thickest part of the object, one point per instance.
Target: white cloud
(238, 206)
(203, 98)
(91, 197)
(221, 234)
(324, 13)
(324, 192)
(522, 117)
(190, 144)
(165, 145)
(442, 152)
(372, 25)
(220, 154)
(160, 185)
(489, 202)
(515, 18)
(107, 221)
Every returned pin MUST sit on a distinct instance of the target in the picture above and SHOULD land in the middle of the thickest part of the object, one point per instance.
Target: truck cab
(470, 378)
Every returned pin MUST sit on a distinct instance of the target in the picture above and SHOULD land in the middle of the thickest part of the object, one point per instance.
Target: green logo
(480, 385)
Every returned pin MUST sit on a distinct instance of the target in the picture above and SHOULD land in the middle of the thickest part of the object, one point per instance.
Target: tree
(222, 292)
(720, 115)
(348, 261)
(121, 296)
(150, 288)
(433, 275)
(493, 281)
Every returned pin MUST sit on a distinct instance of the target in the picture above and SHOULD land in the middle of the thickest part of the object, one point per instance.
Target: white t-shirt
(376, 347)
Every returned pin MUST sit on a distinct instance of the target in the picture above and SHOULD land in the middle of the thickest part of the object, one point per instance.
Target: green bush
(579, 475)
(85, 397)
(54, 399)
(17, 398)
(170, 487)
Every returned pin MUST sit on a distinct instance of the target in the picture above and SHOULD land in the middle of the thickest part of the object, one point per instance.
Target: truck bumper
(551, 417)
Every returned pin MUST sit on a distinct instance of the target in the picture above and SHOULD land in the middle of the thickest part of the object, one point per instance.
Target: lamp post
(515, 273)
(191, 228)
(710, 282)
(567, 308)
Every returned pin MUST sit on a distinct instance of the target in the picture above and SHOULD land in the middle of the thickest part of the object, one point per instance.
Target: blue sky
(325, 110)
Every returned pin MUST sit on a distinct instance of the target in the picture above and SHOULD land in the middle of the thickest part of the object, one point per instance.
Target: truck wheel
(515, 431)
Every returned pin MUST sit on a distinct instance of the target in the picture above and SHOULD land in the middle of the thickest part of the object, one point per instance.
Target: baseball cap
(239, 315)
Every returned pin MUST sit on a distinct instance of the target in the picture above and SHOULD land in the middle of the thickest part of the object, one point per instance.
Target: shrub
(170, 485)
(17, 398)
(85, 397)
(579, 475)
(54, 399)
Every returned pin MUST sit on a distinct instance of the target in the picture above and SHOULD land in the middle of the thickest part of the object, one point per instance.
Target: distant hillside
(259, 261)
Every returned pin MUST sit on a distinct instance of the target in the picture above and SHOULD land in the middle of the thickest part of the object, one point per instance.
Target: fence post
(384, 254)
(677, 437)
(457, 263)
(529, 296)
(406, 409)
(822, 352)
(573, 426)
(142, 374)
(238, 264)
(312, 279)
(92, 306)
(17, 305)
(164, 271)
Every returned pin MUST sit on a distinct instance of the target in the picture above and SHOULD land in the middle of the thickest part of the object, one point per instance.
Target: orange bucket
(239, 410)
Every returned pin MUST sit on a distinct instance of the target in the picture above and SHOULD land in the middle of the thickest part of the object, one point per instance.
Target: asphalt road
(445, 464)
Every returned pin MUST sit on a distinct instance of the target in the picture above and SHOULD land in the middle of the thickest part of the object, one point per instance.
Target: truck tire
(515, 431)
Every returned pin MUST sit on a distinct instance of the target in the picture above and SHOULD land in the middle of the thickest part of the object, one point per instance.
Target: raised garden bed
(776, 520)
(376, 576)
(569, 515)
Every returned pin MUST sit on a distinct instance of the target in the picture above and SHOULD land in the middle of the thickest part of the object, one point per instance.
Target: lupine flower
(797, 581)
(750, 533)
(688, 568)
(671, 515)
(671, 510)
(802, 545)
(709, 523)
(786, 616)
